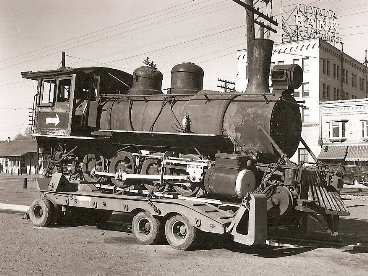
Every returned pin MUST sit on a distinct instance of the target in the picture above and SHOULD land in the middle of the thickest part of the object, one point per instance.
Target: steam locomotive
(102, 125)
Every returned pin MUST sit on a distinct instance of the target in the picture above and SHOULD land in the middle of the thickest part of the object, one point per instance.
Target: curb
(12, 208)
(359, 247)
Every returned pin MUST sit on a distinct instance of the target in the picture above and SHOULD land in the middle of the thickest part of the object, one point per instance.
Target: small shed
(18, 157)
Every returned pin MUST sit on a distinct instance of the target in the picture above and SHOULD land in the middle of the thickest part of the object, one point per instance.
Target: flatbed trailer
(155, 215)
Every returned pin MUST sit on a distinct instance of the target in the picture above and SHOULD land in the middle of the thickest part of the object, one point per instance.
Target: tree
(26, 135)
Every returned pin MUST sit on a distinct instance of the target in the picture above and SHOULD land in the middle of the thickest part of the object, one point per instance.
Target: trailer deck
(182, 216)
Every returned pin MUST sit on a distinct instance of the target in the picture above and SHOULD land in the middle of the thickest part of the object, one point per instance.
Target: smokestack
(259, 66)
(63, 59)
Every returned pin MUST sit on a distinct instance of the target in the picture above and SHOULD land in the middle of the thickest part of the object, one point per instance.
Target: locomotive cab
(66, 102)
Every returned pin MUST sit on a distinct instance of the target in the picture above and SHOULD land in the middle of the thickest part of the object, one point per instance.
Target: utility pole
(226, 85)
(342, 78)
(249, 16)
(366, 74)
(249, 21)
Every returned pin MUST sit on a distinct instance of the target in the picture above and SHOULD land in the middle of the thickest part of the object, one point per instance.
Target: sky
(122, 33)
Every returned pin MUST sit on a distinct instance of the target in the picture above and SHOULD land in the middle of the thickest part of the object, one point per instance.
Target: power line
(123, 24)
(143, 19)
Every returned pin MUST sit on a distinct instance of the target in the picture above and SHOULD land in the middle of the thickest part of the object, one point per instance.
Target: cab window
(47, 92)
(86, 88)
(64, 86)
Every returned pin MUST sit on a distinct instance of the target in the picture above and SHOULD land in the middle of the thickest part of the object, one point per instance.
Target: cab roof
(69, 71)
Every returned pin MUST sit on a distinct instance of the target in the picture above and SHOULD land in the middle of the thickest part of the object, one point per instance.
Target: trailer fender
(249, 226)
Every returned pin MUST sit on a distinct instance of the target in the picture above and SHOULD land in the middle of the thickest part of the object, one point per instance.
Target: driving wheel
(152, 167)
(92, 162)
(122, 162)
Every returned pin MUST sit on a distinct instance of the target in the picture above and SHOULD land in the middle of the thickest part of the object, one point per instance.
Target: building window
(337, 72)
(305, 89)
(361, 84)
(334, 70)
(353, 80)
(337, 130)
(343, 75)
(324, 91)
(364, 129)
(324, 66)
(305, 114)
(327, 67)
(335, 94)
(346, 76)
(303, 155)
(305, 64)
(347, 96)
(296, 93)
(328, 92)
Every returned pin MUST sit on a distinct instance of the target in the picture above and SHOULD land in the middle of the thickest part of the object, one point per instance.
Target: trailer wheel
(180, 233)
(42, 212)
(146, 228)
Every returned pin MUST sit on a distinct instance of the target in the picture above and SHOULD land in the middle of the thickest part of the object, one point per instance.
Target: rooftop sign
(312, 22)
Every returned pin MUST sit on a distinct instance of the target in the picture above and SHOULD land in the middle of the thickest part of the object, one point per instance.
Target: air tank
(186, 78)
(146, 81)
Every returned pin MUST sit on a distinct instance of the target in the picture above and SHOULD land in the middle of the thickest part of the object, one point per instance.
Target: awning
(357, 153)
(333, 152)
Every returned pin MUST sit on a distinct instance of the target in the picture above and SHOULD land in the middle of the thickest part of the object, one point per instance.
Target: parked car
(356, 174)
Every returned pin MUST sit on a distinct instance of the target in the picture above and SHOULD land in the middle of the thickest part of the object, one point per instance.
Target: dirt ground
(88, 250)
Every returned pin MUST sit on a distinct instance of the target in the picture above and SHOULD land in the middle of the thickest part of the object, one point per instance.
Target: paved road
(87, 250)
(12, 192)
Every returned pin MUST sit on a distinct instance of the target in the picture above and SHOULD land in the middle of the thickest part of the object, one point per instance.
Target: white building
(328, 75)
(344, 131)
(344, 136)
(18, 157)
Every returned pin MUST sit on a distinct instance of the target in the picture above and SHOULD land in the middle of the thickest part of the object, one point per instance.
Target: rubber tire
(181, 243)
(154, 235)
(42, 212)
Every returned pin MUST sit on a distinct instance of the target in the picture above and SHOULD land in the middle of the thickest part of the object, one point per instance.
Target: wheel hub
(179, 229)
(144, 226)
(38, 211)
